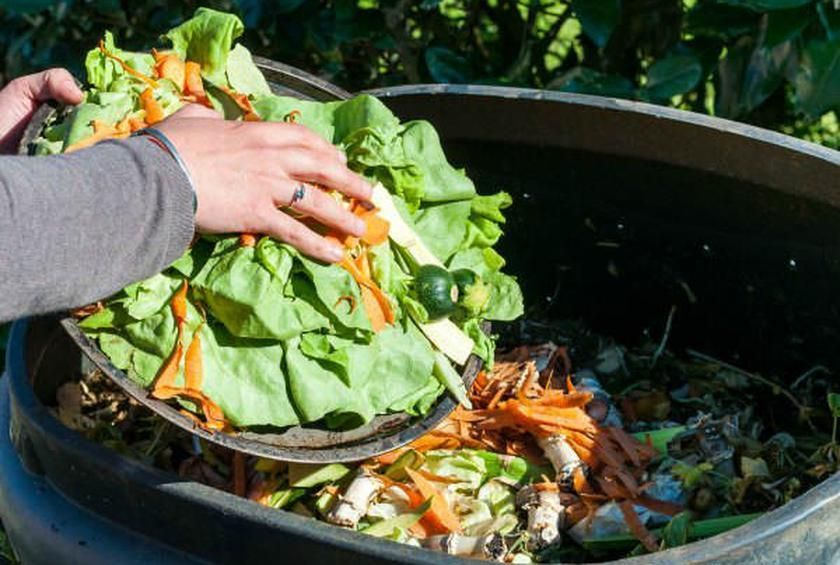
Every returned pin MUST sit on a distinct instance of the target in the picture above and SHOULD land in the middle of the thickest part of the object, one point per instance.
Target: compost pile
(576, 449)
(244, 331)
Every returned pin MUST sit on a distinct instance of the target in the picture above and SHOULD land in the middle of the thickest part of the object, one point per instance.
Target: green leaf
(411, 459)
(767, 5)
(834, 404)
(442, 227)
(697, 530)
(673, 75)
(660, 438)
(308, 475)
(441, 181)
(449, 377)
(676, 531)
(446, 66)
(830, 19)
(818, 80)
(243, 75)
(784, 25)
(285, 497)
(386, 528)
(207, 39)
(506, 301)
(721, 22)
(598, 18)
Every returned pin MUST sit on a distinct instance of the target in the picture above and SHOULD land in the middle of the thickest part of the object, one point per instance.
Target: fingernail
(335, 254)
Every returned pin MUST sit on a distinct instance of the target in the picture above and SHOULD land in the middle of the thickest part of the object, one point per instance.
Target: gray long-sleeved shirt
(76, 228)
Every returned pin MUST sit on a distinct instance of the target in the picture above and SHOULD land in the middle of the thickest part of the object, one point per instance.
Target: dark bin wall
(619, 215)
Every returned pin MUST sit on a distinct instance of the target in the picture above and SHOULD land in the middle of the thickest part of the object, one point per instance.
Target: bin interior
(616, 242)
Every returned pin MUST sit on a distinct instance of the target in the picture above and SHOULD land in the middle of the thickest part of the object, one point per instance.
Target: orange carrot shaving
(377, 227)
(165, 388)
(133, 72)
(170, 66)
(376, 303)
(247, 240)
(193, 85)
(244, 104)
(154, 111)
(101, 132)
(661, 506)
(637, 528)
(440, 515)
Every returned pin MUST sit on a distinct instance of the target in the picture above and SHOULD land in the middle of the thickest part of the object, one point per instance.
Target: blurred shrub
(775, 63)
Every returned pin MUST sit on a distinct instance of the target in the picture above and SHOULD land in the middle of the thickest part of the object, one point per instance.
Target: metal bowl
(297, 443)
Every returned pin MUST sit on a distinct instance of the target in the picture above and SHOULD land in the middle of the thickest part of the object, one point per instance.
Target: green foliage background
(775, 63)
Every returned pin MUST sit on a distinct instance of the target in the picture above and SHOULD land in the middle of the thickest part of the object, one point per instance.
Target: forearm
(77, 228)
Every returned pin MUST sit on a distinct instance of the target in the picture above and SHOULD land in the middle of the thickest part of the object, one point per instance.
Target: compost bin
(748, 220)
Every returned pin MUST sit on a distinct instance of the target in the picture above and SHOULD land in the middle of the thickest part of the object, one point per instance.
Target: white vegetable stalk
(491, 546)
(355, 501)
(546, 516)
(562, 457)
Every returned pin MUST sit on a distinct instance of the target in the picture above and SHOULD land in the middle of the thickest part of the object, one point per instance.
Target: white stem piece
(355, 501)
(561, 455)
(443, 333)
(546, 516)
(491, 546)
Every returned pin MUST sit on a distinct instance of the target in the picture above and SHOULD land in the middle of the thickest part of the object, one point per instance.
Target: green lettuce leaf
(251, 299)
(441, 181)
(316, 116)
(103, 72)
(207, 39)
(243, 76)
(442, 227)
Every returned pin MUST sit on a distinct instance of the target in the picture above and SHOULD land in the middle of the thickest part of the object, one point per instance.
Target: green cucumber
(436, 290)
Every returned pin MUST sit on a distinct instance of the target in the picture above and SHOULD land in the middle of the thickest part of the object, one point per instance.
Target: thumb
(54, 84)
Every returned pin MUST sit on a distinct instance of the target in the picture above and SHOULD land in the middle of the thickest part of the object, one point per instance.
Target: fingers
(316, 168)
(54, 84)
(319, 205)
(285, 228)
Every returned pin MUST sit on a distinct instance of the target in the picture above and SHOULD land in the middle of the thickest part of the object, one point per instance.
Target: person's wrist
(160, 139)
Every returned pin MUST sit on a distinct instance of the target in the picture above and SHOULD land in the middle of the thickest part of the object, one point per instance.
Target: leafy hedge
(775, 63)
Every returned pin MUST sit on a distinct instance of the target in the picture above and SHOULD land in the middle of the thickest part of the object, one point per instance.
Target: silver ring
(298, 195)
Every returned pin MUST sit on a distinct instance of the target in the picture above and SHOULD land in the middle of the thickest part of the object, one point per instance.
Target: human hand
(244, 172)
(21, 97)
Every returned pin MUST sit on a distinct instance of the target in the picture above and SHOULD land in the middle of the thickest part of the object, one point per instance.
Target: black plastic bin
(749, 220)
